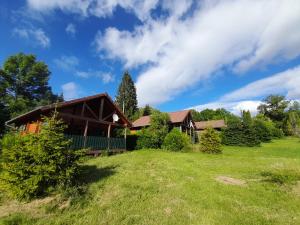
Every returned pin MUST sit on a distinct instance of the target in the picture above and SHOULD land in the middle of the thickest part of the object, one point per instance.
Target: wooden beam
(108, 132)
(101, 109)
(105, 118)
(89, 119)
(85, 132)
(91, 111)
(108, 136)
(82, 110)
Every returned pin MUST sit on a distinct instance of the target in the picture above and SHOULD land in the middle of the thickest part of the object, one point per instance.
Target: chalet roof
(211, 123)
(42, 109)
(175, 117)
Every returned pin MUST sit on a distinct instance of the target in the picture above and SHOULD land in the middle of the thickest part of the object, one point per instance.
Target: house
(181, 119)
(216, 124)
(90, 121)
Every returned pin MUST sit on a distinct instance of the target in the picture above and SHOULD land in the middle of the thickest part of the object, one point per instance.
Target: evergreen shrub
(176, 140)
(210, 141)
(33, 163)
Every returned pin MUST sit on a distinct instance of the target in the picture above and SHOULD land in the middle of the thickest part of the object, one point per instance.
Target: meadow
(258, 185)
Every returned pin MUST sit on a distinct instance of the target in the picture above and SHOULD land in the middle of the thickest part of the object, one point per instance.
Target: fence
(96, 143)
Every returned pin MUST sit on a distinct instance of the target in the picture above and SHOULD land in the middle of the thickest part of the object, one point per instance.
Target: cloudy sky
(181, 53)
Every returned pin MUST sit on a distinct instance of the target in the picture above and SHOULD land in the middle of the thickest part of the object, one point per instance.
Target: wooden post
(180, 128)
(85, 132)
(125, 135)
(108, 136)
(101, 109)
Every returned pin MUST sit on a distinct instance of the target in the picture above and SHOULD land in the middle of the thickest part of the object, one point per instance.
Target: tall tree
(147, 110)
(24, 84)
(126, 98)
(246, 117)
(274, 107)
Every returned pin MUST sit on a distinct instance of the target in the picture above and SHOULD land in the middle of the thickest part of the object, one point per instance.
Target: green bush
(281, 177)
(263, 132)
(239, 134)
(154, 135)
(176, 140)
(276, 132)
(131, 141)
(33, 163)
(210, 141)
(148, 139)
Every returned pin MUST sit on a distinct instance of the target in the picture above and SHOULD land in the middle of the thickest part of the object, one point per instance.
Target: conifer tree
(126, 98)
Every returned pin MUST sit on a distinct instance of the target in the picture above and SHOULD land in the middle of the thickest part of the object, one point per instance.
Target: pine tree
(147, 110)
(126, 98)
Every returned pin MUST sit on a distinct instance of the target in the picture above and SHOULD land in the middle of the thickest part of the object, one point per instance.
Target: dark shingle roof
(211, 123)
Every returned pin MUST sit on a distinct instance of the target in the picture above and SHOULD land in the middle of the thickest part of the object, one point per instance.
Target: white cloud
(34, 35)
(179, 52)
(99, 8)
(285, 83)
(67, 63)
(233, 107)
(71, 29)
(71, 90)
(191, 40)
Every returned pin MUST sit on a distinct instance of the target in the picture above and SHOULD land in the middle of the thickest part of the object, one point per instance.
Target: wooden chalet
(90, 121)
(181, 119)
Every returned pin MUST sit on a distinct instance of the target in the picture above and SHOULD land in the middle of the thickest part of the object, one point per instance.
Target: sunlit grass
(159, 187)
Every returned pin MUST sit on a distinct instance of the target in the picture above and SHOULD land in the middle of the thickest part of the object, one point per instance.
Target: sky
(181, 53)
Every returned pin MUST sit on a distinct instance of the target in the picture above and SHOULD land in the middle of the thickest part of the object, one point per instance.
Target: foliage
(24, 85)
(176, 140)
(274, 107)
(281, 177)
(210, 141)
(291, 124)
(240, 134)
(33, 163)
(154, 135)
(246, 118)
(131, 141)
(263, 132)
(210, 114)
(126, 98)
(147, 110)
(148, 139)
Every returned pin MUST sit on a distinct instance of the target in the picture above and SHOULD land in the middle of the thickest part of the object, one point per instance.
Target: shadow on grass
(91, 174)
(88, 174)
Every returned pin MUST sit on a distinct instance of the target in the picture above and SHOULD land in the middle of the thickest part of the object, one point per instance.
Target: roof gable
(65, 104)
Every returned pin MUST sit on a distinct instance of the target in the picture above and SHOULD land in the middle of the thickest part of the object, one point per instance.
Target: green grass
(158, 187)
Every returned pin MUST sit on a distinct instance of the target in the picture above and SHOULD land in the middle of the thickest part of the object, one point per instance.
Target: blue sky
(181, 53)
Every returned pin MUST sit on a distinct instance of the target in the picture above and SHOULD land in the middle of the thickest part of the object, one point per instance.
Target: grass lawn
(158, 187)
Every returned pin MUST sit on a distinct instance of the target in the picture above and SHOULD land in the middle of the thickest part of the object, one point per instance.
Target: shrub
(239, 134)
(210, 141)
(33, 163)
(176, 140)
(262, 131)
(148, 139)
(131, 141)
(154, 135)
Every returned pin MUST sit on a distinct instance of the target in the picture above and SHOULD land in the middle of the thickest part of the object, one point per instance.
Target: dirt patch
(168, 211)
(31, 208)
(230, 181)
(65, 204)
